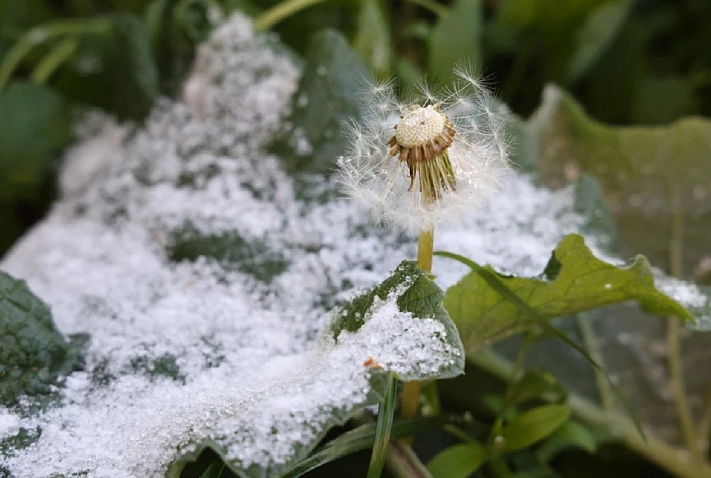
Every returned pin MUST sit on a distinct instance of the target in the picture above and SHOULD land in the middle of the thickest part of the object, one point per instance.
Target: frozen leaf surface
(34, 356)
(415, 296)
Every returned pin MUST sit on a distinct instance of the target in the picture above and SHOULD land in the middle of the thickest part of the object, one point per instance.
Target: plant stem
(281, 11)
(704, 427)
(40, 34)
(54, 59)
(591, 344)
(410, 399)
(671, 459)
(425, 247)
(411, 390)
(402, 462)
(674, 362)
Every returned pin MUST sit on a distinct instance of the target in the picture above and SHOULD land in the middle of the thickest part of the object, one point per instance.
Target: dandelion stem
(425, 248)
(411, 390)
(409, 400)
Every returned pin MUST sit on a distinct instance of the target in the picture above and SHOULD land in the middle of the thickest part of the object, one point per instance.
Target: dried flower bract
(429, 160)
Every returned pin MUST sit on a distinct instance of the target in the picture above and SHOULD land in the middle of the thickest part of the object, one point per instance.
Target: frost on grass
(205, 286)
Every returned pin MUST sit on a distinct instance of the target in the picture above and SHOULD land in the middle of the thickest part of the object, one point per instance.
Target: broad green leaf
(599, 222)
(326, 97)
(571, 434)
(597, 33)
(34, 356)
(661, 100)
(574, 280)
(229, 248)
(174, 28)
(533, 426)
(640, 169)
(372, 39)
(25, 155)
(456, 38)
(113, 69)
(652, 178)
(458, 461)
(422, 298)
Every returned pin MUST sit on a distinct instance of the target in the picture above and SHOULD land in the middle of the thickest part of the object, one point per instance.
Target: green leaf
(372, 39)
(25, 155)
(386, 412)
(456, 38)
(113, 69)
(574, 280)
(533, 426)
(326, 97)
(214, 470)
(229, 248)
(34, 356)
(458, 461)
(571, 434)
(595, 36)
(653, 178)
(599, 222)
(422, 298)
(174, 28)
(660, 100)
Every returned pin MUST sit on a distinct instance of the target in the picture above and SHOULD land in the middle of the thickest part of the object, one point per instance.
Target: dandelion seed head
(420, 127)
(430, 160)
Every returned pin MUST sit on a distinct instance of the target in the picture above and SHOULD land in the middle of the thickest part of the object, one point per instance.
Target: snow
(257, 376)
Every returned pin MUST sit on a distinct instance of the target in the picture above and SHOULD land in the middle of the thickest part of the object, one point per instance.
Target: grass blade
(386, 412)
(362, 438)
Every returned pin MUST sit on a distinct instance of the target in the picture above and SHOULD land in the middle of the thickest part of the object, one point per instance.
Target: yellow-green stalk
(421, 140)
